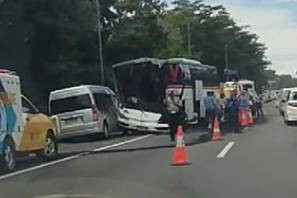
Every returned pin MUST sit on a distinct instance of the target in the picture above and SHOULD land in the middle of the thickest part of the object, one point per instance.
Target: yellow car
(39, 131)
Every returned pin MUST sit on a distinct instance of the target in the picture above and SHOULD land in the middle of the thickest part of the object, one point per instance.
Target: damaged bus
(142, 85)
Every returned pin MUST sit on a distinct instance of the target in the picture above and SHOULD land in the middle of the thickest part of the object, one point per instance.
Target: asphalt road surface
(261, 162)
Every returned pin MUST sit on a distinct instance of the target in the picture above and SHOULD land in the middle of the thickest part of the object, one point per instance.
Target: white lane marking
(38, 167)
(122, 143)
(2, 177)
(225, 150)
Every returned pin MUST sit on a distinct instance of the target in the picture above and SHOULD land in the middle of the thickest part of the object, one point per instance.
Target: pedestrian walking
(233, 113)
(211, 107)
(175, 116)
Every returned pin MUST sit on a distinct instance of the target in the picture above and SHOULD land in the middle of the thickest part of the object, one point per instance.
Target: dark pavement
(262, 163)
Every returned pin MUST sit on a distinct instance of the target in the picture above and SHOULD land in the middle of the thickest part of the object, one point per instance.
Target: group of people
(229, 108)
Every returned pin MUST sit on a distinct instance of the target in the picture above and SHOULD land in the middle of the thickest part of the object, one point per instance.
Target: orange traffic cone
(216, 134)
(250, 117)
(180, 154)
(243, 118)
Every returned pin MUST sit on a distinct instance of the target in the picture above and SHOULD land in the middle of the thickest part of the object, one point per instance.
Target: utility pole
(100, 41)
(189, 39)
(226, 50)
(226, 57)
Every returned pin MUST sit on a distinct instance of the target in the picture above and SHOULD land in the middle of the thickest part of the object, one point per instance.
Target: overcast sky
(275, 21)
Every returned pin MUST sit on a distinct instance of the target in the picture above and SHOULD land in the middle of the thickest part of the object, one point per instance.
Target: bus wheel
(8, 157)
(50, 150)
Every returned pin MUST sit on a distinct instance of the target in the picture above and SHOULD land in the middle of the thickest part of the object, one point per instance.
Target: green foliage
(62, 42)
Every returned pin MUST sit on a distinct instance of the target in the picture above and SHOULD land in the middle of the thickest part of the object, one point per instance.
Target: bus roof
(160, 62)
(154, 61)
(190, 62)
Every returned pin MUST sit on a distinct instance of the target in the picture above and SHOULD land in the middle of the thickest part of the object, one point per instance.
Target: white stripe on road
(122, 143)
(225, 150)
(69, 158)
(38, 167)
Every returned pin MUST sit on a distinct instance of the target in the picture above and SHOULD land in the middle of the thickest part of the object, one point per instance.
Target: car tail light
(95, 112)
(292, 104)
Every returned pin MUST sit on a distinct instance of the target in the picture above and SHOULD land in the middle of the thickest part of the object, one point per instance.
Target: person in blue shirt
(233, 111)
(211, 106)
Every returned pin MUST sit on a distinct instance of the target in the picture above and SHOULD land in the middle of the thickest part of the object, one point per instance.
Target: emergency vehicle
(23, 129)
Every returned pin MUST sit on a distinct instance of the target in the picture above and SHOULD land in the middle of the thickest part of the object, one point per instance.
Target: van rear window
(69, 104)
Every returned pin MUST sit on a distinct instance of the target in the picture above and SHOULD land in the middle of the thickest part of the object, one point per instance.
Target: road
(261, 162)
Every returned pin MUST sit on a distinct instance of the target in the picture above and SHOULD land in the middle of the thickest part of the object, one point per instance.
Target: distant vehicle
(84, 110)
(290, 107)
(242, 85)
(283, 96)
(143, 83)
(23, 130)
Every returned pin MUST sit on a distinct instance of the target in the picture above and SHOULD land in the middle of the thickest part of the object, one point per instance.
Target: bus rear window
(69, 104)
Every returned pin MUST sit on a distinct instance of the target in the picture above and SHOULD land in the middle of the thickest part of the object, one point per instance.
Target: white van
(23, 129)
(84, 110)
(283, 98)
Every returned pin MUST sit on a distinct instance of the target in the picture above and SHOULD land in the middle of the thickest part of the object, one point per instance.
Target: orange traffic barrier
(180, 156)
(216, 134)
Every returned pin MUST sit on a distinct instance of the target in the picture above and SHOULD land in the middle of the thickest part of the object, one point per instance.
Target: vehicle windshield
(141, 86)
(247, 86)
(69, 104)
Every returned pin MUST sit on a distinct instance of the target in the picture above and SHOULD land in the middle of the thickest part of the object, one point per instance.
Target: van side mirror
(283, 101)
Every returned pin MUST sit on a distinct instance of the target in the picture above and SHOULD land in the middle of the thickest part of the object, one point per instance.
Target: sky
(275, 22)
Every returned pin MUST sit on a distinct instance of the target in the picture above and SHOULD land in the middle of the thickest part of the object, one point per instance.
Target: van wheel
(8, 157)
(105, 130)
(50, 150)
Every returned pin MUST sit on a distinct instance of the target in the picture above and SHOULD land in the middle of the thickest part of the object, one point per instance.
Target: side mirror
(283, 101)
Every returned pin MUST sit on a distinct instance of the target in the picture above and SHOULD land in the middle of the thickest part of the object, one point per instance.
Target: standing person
(233, 111)
(259, 107)
(211, 107)
(173, 113)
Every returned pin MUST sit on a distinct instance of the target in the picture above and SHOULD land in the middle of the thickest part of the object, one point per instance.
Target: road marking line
(225, 150)
(122, 143)
(2, 177)
(38, 167)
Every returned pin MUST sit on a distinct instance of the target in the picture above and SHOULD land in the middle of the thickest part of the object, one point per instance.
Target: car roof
(78, 90)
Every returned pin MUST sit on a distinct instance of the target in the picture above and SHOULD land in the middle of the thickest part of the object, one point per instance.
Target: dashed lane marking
(225, 150)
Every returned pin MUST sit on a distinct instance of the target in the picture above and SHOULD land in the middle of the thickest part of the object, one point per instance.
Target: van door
(74, 113)
(108, 110)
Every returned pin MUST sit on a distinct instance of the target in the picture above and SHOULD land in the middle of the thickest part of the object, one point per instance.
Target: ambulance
(23, 129)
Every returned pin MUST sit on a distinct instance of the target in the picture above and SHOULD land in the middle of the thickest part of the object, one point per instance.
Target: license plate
(73, 121)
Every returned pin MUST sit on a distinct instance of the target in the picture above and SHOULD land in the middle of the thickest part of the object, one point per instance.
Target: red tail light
(95, 113)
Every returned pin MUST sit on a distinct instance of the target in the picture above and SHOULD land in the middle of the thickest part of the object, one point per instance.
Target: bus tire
(8, 157)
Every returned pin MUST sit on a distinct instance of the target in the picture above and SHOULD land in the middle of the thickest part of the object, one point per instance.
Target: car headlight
(122, 116)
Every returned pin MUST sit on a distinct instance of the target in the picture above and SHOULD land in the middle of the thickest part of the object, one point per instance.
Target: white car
(290, 107)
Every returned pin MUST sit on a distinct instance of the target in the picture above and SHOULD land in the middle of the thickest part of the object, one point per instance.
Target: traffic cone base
(216, 134)
(180, 156)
